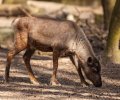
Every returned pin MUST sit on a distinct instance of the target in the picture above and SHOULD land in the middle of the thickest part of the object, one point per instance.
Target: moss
(113, 51)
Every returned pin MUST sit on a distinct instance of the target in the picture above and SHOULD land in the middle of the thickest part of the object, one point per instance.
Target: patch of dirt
(20, 87)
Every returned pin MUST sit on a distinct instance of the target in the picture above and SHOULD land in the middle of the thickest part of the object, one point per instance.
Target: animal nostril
(98, 84)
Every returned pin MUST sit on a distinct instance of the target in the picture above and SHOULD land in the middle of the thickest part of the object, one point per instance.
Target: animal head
(92, 69)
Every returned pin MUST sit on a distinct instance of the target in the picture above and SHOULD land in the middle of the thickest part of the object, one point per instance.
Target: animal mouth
(97, 84)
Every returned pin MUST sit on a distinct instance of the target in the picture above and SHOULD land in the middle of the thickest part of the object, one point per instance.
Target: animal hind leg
(19, 45)
(11, 54)
(29, 52)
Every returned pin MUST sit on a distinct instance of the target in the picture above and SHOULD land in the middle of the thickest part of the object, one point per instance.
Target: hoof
(35, 82)
(85, 84)
(55, 83)
(6, 81)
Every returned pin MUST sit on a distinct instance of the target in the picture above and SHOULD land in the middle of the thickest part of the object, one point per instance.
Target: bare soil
(20, 87)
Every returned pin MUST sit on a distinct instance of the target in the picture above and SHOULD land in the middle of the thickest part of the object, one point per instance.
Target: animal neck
(81, 47)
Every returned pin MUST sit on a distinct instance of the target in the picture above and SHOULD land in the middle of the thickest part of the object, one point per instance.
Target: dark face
(92, 71)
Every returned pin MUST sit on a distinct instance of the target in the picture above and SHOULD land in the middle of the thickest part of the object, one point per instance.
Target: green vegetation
(113, 51)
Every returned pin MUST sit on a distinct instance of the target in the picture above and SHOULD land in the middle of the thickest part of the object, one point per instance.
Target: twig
(77, 11)
(25, 12)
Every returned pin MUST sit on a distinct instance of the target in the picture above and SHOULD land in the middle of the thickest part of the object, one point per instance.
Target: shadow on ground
(20, 86)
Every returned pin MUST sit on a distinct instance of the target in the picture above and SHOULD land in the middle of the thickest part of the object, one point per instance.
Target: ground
(20, 87)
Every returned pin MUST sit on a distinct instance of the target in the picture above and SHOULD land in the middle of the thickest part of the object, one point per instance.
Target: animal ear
(89, 61)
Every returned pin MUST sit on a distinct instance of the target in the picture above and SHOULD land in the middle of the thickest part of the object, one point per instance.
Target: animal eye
(89, 61)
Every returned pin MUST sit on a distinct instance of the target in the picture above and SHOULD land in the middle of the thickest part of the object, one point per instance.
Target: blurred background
(86, 13)
(75, 2)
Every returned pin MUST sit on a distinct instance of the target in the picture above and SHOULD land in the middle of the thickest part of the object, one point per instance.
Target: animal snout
(98, 84)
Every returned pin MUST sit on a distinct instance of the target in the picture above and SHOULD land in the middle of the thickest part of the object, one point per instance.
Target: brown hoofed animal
(60, 37)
